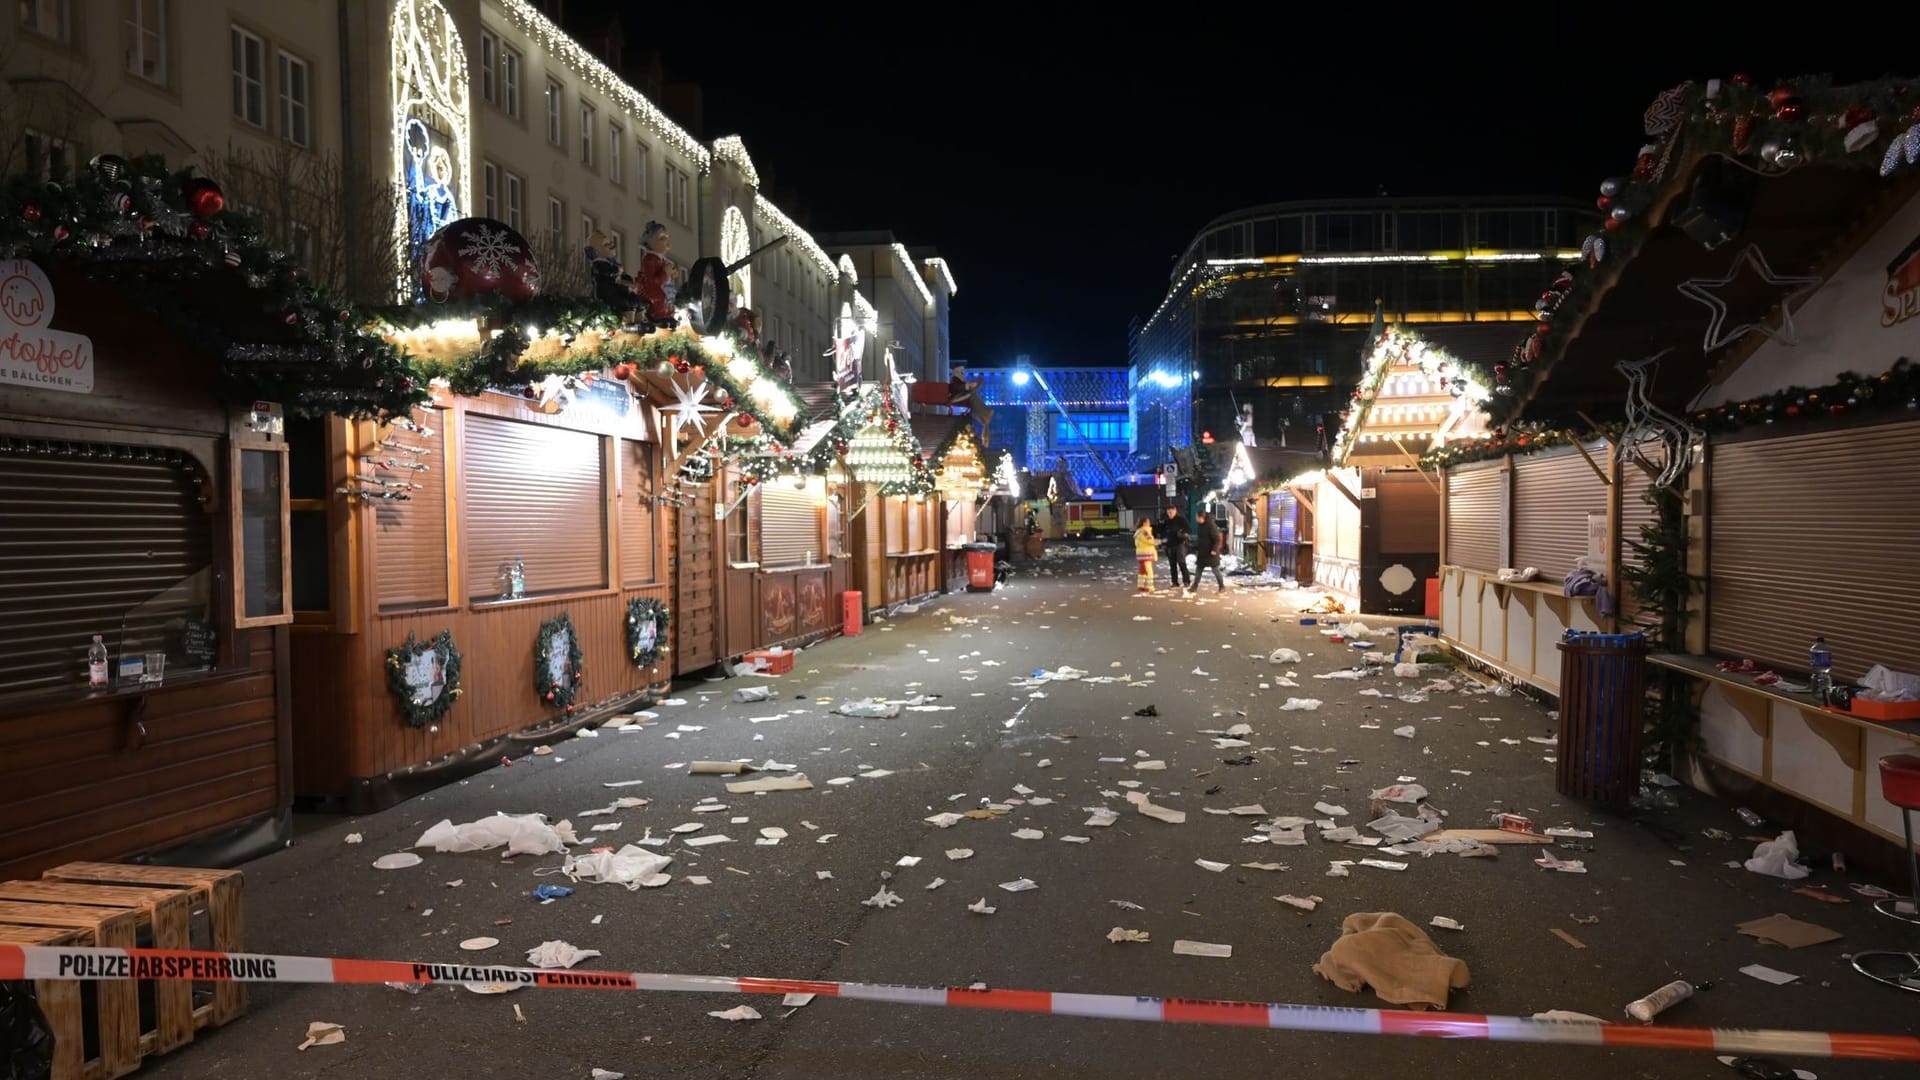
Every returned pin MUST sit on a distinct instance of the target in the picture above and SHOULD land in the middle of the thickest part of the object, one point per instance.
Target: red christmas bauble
(478, 257)
(61, 232)
(199, 230)
(204, 197)
(743, 421)
(1855, 116)
(30, 214)
(1603, 201)
(1791, 112)
(1613, 224)
(1741, 79)
(623, 371)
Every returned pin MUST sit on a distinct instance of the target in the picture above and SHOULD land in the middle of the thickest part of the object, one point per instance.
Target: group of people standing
(1172, 535)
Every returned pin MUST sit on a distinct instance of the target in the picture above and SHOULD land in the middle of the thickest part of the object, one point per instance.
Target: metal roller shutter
(1553, 492)
(1477, 516)
(1408, 514)
(410, 537)
(789, 526)
(97, 539)
(1813, 535)
(536, 493)
(637, 563)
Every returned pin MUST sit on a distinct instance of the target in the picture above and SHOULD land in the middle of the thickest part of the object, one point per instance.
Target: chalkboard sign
(199, 644)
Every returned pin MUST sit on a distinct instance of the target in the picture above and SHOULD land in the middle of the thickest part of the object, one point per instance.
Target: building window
(300, 244)
(490, 190)
(642, 165)
(1094, 428)
(489, 59)
(556, 133)
(556, 218)
(249, 77)
(296, 91)
(586, 228)
(676, 194)
(739, 536)
(146, 40)
(48, 157)
(516, 201)
(48, 18)
(587, 121)
(510, 80)
(616, 151)
(617, 245)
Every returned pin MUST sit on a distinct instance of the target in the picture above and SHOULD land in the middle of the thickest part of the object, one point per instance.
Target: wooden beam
(1342, 489)
(1415, 462)
(1595, 428)
(1592, 464)
(1300, 494)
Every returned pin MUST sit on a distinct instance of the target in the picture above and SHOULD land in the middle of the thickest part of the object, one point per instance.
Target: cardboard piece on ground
(1568, 938)
(1158, 813)
(794, 782)
(1486, 836)
(1786, 931)
(1183, 947)
(716, 768)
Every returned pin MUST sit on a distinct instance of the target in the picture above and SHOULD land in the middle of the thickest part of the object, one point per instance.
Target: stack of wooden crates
(99, 1029)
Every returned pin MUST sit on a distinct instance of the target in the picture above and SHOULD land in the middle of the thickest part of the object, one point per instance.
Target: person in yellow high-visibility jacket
(1146, 551)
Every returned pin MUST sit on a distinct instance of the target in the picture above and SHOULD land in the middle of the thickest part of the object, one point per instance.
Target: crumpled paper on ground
(520, 834)
(1300, 704)
(558, 954)
(1775, 858)
(1283, 656)
(1394, 957)
(870, 709)
(753, 693)
(629, 866)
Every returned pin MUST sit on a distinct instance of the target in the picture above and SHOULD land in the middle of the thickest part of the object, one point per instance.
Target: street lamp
(1021, 378)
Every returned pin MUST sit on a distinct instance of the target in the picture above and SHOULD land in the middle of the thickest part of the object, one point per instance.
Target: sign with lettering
(1902, 298)
(31, 354)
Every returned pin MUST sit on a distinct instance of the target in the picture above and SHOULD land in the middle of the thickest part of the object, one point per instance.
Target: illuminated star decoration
(1702, 290)
(688, 407)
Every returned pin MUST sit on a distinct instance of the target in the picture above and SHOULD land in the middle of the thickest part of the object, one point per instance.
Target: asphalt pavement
(1658, 900)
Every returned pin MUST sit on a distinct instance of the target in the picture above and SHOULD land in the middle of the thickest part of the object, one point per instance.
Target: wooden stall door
(696, 600)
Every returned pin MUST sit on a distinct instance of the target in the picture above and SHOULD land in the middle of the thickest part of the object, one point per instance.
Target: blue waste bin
(1603, 686)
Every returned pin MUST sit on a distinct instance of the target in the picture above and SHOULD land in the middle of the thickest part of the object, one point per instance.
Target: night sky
(1061, 168)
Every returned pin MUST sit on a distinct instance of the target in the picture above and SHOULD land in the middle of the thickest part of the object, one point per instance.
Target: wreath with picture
(558, 664)
(647, 622)
(424, 677)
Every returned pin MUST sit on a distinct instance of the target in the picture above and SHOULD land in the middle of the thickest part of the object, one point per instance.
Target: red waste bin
(980, 567)
(853, 613)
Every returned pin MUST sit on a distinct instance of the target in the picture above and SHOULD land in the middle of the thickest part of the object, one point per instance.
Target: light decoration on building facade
(1006, 477)
(847, 272)
(765, 208)
(736, 241)
(429, 82)
(866, 313)
(939, 266)
(913, 273)
(733, 149)
(541, 30)
(1401, 364)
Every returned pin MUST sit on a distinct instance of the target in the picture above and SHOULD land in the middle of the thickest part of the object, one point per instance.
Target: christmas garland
(1518, 440)
(146, 230)
(1771, 131)
(643, 612)
(400, 658)
(560, 693)
(1895, 388)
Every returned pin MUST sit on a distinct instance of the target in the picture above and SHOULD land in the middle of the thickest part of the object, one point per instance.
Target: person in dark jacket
(1208, 543)
(1174, 536)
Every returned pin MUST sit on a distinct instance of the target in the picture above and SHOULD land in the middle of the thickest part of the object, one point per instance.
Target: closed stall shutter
(1477, 516)
(916, 526)
(789, 526)
(98, 539)
(410, 536)
(534, 493)
(637, 563)
(1409, 515)
(1552, 495)
(1814, 535)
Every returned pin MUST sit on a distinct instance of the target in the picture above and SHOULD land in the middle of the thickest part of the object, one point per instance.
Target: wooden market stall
(1736, 345)
(155, 354)
(893, 525)
(953, 453)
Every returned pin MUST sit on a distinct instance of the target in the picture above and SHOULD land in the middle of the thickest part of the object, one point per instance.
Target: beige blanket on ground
(1395, 957)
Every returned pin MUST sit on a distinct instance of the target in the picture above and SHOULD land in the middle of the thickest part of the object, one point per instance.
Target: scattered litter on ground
(1404, 732)
(869, 709)
(1566, 937)
(1446, 923)
(703, 841)
(1304, 903)
(738, 1012)
(399, 860)
(1126, 905)
(1209, 864)
(352, 838)
(1788, 932)
(1119, 935)
(885, 898)
(1565, 866)
(323, 1033)
(1184, 947)
(1298, 704)
(558, 954)
(1019, 885)
(520, 834)
(475, 944)
(1769, 975)
(981, 907)
(1778, 858)
(1158, 813)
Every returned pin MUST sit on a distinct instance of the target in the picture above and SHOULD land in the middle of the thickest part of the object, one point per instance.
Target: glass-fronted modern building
(1084, 426)
(1269, 306)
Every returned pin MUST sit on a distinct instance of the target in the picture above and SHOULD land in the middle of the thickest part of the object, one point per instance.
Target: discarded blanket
(1395, 957)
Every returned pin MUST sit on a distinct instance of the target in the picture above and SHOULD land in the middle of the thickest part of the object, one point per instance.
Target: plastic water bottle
(1822, 663)
(97, 664)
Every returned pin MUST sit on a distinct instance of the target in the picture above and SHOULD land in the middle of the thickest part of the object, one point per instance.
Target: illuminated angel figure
(430, 198)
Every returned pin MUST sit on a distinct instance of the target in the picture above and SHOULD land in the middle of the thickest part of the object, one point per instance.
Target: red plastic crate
(773, 663)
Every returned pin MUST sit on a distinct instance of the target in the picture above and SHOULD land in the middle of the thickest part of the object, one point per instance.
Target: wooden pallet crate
(215, 892)
(165, 914)
(116, 1023)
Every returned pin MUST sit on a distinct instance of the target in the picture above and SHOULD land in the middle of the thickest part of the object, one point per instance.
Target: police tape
(86, 964)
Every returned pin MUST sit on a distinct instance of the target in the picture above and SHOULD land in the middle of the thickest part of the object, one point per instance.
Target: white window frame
(239, 38)
(616, 152)
(489, 58)
(516, 191)
(146, 44)
(556, 216)
(642, 161)
(617, 240)
(556, 117)
(296, 114)
(40, 157)
(48, 18)
(589, 117)
(510, 67)
(587, 227)
(490, 189)
(676, 194)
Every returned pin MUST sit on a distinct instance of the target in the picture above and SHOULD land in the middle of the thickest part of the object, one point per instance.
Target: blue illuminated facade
(1095, 438)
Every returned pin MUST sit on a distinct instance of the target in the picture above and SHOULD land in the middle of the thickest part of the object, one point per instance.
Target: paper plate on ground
(399, 860)
(493, 988)
(475, 944)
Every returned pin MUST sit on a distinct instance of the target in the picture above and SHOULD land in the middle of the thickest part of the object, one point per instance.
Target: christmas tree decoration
(477, 257)
(1751, 259)
(204, 197)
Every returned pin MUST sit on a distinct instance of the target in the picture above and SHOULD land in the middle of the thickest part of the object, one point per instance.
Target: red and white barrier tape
(42, 962)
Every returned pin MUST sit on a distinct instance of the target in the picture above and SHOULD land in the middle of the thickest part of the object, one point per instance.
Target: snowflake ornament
(492, 251)
(688, 408)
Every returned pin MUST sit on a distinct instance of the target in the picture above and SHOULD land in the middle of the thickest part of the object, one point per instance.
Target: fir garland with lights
(644, 613)
(1896, 388)
(1792, 124)
(424, 714)
(561, 692)
(1518, 440)
(147, 231)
